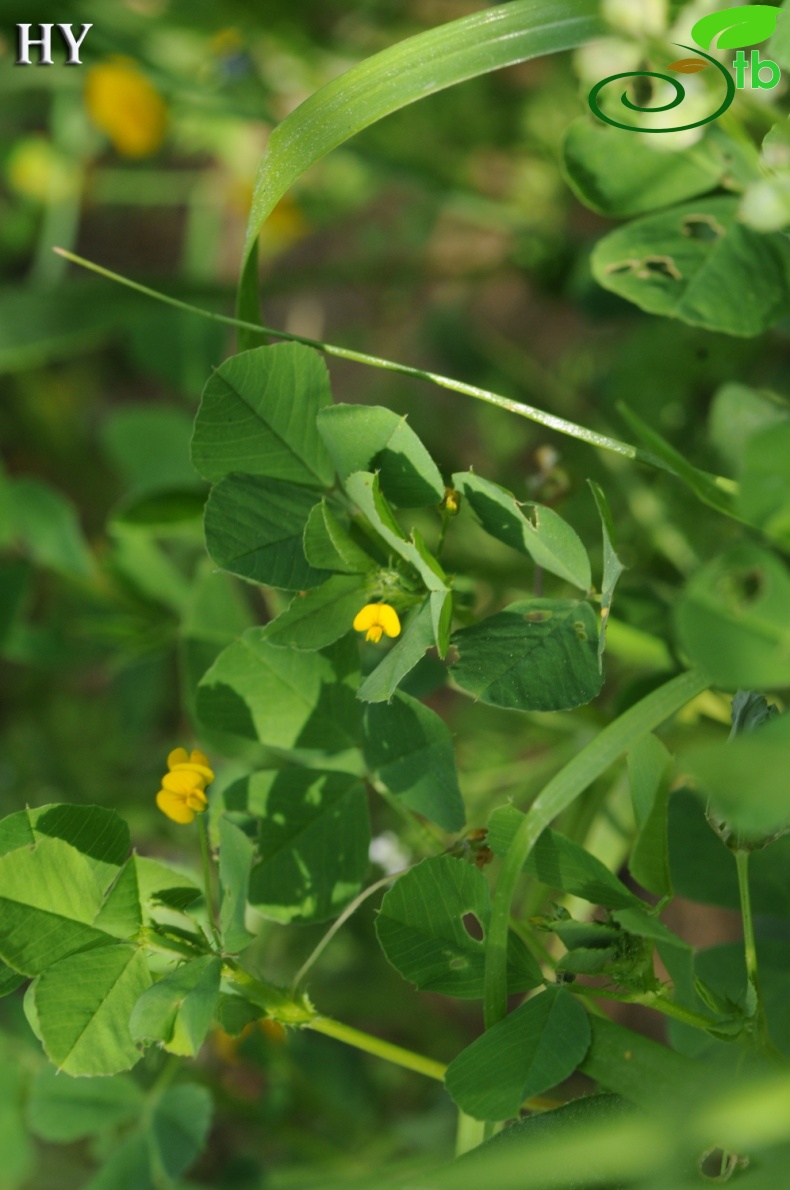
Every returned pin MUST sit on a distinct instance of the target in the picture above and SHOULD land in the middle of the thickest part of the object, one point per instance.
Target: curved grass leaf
(649, 772)
(396, 77)
(423, 932)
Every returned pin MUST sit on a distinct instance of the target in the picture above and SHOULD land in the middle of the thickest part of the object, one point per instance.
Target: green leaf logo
(748, 24)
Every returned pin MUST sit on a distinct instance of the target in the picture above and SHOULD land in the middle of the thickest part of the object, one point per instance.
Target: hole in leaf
(473, 927)
(458, 964)
(750, 584)
(702, 227)
(659, 266)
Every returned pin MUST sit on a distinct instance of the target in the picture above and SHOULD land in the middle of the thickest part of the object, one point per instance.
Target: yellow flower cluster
(182, 795)
(375, 619)
(123, 104)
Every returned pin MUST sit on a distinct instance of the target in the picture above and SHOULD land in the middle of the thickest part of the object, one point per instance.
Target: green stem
(381, 1049)
(204, 852)
(469, 1134)
(340, 921)
(750, 947)
(649, 1000)
(571, 781)
(549, 420)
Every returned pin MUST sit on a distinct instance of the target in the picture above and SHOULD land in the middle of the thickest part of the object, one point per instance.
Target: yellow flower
(182, 794)
(375, 619)
(121, 101)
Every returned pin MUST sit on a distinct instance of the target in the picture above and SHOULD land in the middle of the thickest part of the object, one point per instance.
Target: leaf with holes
(542, 535)
(536, 655)
(699, 264)
(529, 1052)
(424, 929)
(732, 619)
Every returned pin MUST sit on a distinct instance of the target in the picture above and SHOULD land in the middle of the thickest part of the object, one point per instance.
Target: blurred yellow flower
(182, 795)
(121, 101)
(375, 619)
(37, 170)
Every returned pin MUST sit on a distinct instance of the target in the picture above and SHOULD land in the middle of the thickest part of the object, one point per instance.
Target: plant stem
(204, 851)
(469, 1134)
(375, 1045)
(340, 921)
(572, 780)
(649, 1000)
(549, 420)
(750, 947)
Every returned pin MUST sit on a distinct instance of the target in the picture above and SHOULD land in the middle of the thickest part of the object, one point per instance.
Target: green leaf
(559, 863)
(148, 445)
(62, 1110)
(779, 45)
(49, 898)
(46, 524)
(703, 485)
(544, 536)
(746, 778)
(422, 928)
(317, 618)
(15, 1145)
(98, 833)
(170, 1138)
(764, 497)
(9, 980)
(397, 76)
(282, 698)
(83, 1004)
(703, 869)
(329, 546)
(643, 1071)
(616, 173)
(314, 840)
(636, 920)
(732, 619)
(178, 1009)
(737, 413)
(372, 438)
(364, 490)
(699, 264)
(612, 566)
(410, 750)
(746, 24)
(258, 416)
(254, 528)
(236, 854)
(529, 1052)
(649, 772)
(535, 655)
(416, 638)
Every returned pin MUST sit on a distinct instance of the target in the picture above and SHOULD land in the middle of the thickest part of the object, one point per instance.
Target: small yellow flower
(182, 795)
(124, 105)
(375, 619)
(452, 502)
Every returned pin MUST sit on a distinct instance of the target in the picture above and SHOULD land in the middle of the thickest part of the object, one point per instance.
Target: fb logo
(734, 28)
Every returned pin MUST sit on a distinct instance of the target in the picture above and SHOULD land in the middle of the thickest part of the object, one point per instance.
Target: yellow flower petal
(174, 807)
(197, 800)
(177, 756)
(121, 101)
(205, 774)
(375, 619)
(197, 757)
(182, 782)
